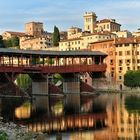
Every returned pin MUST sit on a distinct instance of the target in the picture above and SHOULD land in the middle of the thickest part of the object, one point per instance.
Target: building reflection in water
(103, 117)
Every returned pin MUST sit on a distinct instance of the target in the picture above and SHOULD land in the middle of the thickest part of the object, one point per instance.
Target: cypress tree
(1, 42)
(56, 36)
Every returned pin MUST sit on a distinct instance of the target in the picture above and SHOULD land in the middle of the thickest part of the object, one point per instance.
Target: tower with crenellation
(89, 21)
(34, 28)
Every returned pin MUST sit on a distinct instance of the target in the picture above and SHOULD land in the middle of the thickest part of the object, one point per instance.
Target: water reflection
(24, 111)
(78, 117)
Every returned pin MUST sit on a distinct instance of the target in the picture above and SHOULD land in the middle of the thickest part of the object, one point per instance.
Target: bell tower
(89, 21)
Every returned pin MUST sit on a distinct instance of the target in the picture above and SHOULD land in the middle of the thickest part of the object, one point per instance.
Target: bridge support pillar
(40, 90)
(71, 83)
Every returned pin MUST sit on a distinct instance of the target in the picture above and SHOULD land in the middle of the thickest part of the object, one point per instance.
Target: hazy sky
(66, 13)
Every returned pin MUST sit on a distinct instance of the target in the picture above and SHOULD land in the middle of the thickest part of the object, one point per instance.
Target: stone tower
(34, 28)
(89, 21)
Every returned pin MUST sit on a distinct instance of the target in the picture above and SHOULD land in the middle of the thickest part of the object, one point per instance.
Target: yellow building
(89, 21)
(36, 43)
(109, 25)
(126, 57)
(125, 34)
(74, 32)
(83, 41)
(9, 34)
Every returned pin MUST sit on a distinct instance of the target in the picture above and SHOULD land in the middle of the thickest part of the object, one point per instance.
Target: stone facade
(9, 34)
(34, 28)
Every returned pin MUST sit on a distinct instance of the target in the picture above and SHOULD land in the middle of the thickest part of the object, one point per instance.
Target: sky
(66, 13)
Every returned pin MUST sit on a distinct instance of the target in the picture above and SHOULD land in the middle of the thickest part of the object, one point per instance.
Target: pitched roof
(125, 40)
(17, 52)
(16, 33)
(107, 20)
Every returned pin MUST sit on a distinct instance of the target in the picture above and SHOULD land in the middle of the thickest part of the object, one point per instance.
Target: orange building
(108, 47)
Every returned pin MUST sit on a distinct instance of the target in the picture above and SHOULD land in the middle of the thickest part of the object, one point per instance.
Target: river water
(77, 117)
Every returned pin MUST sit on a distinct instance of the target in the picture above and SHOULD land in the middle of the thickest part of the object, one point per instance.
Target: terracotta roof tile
(16, 33)
(125, 40)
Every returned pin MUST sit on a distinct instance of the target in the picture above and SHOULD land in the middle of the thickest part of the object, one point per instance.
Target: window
(122, 130)
(110, 53)
(120, 68)
(127, 52)
(127, 44)
(112, 69)
(111, 62)
(120, 77)
(122, 121)
(112, 74)
(107, 26)
(120, 62)
(128, 61)
(138, 61)
(120, 53)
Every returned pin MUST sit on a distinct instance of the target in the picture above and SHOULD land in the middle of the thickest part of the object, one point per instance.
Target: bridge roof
(18, 52)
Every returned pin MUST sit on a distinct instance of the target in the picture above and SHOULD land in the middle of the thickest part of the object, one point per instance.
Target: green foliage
(8, 43)
(51, 61)
(2, 45)
(57, 77)
(132, 79)
(132, 104)
(3, 135)
(15, 41)
(23, 81)
(56, 36)
(12, 42)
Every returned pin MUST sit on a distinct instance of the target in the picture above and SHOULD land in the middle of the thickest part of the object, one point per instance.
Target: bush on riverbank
(132, 79)
(3, 135)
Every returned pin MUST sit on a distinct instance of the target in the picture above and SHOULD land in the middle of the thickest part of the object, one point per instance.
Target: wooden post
(43, 61)
(12, 60)
(100, 60)
(93, 60)
(0, 60)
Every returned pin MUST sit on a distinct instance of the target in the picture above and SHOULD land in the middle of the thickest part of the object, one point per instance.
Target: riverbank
(11, 131)
(131, 91)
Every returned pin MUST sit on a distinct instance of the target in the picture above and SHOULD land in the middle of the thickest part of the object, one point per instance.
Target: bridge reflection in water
(77, 116)
(69, 123)
(62, 115)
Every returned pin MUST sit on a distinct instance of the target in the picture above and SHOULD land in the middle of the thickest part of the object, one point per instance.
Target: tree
(8, 43)
(56, 36)
(23, 81)
(12, 42)
(15, 41)
(2, 45)
(132, 79)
